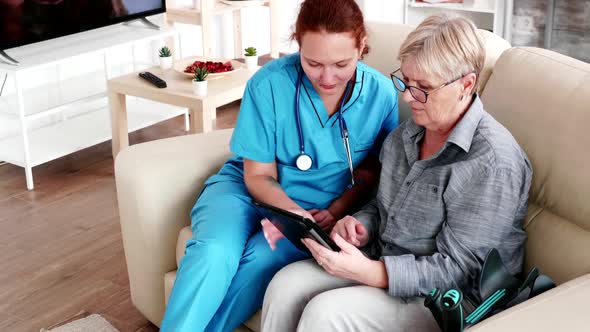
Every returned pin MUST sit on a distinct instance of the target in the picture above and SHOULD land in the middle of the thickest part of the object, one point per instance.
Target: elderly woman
(454, 184)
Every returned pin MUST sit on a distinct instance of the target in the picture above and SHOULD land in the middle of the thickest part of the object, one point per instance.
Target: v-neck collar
(317, 103)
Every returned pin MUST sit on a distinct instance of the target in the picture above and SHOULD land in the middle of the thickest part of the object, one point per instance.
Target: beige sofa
(542, 97)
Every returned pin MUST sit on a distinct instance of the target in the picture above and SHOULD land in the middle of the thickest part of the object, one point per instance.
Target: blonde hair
(445, 46)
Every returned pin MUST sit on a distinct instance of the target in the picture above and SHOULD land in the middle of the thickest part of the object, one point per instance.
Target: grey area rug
(91, 323)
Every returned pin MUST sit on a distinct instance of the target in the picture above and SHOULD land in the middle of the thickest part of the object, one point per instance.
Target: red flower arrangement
(212, 67)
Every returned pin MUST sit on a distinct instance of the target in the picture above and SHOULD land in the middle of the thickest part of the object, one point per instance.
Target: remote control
(155, 80)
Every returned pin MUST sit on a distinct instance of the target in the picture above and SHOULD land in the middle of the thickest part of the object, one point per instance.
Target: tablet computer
(296, 227)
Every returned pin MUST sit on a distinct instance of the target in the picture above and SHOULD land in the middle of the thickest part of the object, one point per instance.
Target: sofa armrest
(157, 185)
(564, 308)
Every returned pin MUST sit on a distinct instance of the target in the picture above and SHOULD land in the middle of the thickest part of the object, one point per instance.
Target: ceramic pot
(166, 62)
(251, 61)
(200, 88)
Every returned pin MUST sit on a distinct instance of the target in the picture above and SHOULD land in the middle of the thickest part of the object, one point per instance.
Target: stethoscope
(304, 161)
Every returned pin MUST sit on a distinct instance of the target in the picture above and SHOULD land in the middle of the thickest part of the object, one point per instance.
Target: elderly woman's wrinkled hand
(349, 262)
(351, 230)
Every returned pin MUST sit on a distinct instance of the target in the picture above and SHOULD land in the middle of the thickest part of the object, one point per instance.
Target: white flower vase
(251, 61)
(166, 62)
(200, 88)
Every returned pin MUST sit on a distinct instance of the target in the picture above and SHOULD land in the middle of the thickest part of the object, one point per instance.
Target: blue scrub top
(266, 130)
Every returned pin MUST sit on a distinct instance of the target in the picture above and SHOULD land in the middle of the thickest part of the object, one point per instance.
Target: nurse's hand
(351, 230)
(323, 218)
(272, 234)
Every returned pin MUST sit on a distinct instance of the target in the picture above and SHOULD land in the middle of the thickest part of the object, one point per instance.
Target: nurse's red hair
(331, 16)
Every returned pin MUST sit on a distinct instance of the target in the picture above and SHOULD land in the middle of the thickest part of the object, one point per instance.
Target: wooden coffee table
(221, 90)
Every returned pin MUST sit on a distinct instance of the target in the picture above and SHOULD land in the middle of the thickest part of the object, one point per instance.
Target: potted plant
(200, 81)
(251, 57)
(165, 58)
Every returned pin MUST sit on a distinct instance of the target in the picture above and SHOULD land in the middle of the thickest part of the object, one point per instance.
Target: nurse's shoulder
(276, 71)
(377, 82)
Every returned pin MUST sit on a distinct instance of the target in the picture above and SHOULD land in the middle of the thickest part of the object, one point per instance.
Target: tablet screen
(295, 227)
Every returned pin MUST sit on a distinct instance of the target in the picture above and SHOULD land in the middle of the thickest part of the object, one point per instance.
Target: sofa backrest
(543, 98)
(385, 40)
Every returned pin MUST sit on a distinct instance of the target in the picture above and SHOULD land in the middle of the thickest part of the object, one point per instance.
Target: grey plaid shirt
(434, 220)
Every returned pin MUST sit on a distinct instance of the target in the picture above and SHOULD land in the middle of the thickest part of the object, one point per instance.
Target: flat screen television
(29, 21)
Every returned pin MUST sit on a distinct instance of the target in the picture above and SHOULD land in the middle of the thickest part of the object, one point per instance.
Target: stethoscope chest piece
(303, 162)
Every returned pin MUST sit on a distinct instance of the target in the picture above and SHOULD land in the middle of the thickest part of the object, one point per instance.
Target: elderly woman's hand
(349, 262)
(351, 230)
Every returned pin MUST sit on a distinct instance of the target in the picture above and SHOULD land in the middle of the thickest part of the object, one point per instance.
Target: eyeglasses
(418, 94)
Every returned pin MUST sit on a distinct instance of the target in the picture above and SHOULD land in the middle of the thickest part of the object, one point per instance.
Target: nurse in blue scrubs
(311, 125)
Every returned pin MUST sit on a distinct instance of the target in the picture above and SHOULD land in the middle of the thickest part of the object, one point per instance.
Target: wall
(528, 22)
(571, 26)
(571, 32)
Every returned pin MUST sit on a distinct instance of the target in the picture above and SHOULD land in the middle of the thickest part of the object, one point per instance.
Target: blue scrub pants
(227, 265)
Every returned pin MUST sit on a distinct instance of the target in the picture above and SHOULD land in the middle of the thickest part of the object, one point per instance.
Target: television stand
(70, 112)
(8, 59)
(148, 24)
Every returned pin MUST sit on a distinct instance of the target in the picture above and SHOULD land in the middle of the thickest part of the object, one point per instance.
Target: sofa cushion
(157, 183)
(543, 98)
(560, 309)
(494, 46)
(384, 42)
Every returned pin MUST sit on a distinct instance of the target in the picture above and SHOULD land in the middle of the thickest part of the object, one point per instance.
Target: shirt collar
(462, 134)
(413, 130)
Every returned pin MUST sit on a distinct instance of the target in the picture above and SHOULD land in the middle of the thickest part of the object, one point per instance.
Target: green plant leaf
(200, 74)
(250, 51)
(165, 52)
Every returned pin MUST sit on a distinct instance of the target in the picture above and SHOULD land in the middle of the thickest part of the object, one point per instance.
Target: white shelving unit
(82, 131)
(203, 11)
(76, 130)
(493, 15)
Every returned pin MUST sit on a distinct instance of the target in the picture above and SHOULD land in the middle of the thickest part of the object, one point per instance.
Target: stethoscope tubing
(298, 117)
(341, 123)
